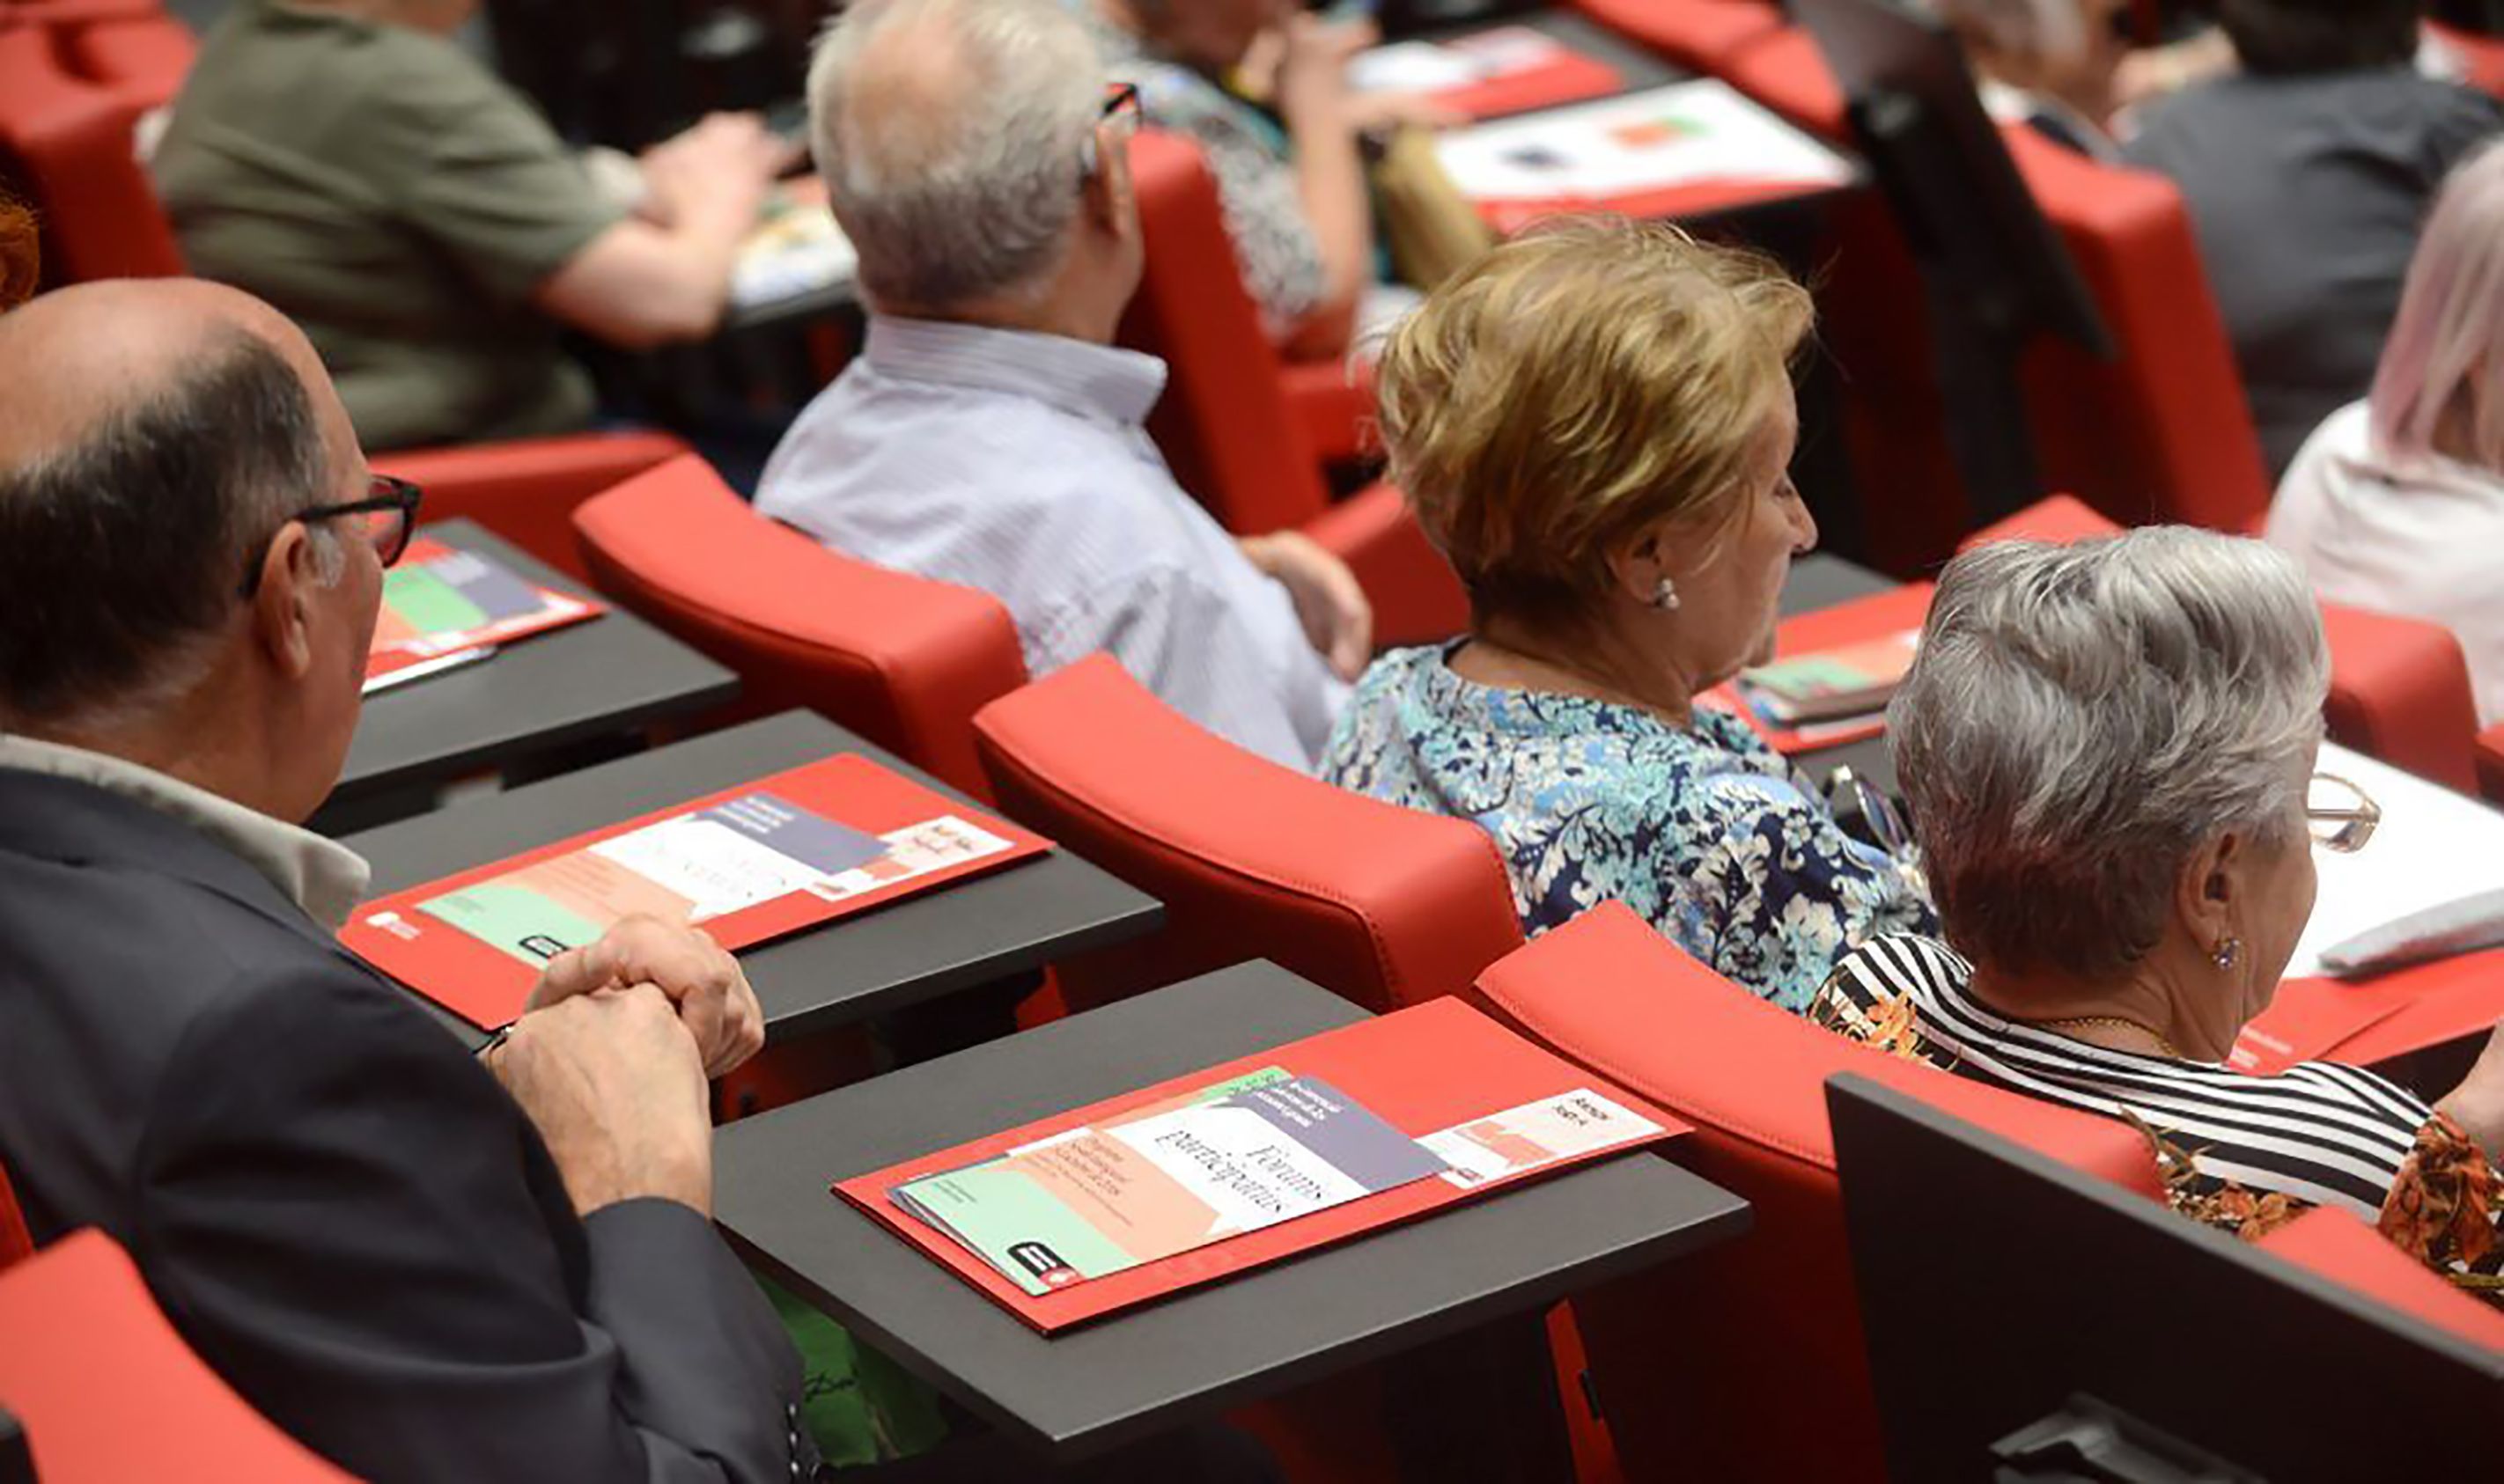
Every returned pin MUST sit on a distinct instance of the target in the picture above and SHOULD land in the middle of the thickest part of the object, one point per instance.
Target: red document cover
(2308, 1020)
(746, 864)
(1568, 77)
(1433, 1068)
(1845, 624)
(487, 605)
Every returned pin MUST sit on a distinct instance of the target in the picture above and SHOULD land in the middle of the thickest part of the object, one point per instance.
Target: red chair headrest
(1384, 904)
(1615, 995)
(904, 660)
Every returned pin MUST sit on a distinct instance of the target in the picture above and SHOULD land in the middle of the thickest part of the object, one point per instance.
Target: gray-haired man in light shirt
(989, 433)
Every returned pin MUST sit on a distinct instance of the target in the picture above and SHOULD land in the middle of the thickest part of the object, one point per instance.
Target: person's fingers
(574, 972)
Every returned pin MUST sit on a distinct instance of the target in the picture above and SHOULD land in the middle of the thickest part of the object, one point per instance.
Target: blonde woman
(2397, 501)
(1594, 424)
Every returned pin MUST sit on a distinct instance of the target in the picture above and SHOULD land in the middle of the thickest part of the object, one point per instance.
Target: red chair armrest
(2354, 1256)
(2399, 689)
(1416, 597)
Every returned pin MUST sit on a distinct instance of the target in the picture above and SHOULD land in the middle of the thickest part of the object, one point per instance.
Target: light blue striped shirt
(1017, 464)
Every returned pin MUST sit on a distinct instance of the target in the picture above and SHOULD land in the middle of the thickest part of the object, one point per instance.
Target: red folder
(1422, 1070)
(389, 657)
(488, 988)
(1569, 77)
(1846, 623)
(2307, 1020)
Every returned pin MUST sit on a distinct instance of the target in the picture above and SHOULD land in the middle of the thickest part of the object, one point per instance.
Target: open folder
(745, 864)
(1236, 1166)
(443, 607)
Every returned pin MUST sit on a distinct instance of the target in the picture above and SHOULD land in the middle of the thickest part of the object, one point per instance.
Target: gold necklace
(2119, 1023)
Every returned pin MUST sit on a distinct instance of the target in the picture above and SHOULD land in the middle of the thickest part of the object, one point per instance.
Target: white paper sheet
(2432, 847)
(1664, 137)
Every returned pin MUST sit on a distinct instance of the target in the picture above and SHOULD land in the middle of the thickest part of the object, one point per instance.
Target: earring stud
(1664, 595)
(2228, 951)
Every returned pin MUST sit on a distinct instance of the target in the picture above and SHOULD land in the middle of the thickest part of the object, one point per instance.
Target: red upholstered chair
(146, 55)
(2482, 56)
(1386, 906)
(1225, 426)
(526, 490)
(68, 144)
(107, 1391)
(15, 1242)
(902, 660)
(2399, 687)
(2162, 432)
(1746, 1362)
(1699, 34)
(2344, 1250)
(2491, 762)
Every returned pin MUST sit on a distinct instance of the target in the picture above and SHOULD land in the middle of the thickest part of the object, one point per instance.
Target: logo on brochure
(395, 924)
(1045, 1263)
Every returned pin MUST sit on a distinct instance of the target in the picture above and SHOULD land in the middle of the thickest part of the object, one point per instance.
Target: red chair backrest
(1386, 906)
(147, 56)
(72, 147)
(902, 660)
(107, 1391)
(2344, 1250)
(14, 1241)
(1223, 423)
(2162, 431)
(1746, 1362)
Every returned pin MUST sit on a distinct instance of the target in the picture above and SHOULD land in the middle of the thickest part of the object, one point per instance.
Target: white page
(1664, 137)
(2432, 847)
(1410, 66)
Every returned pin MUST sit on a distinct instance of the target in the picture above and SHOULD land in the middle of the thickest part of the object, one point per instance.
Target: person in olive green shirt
(348, 162)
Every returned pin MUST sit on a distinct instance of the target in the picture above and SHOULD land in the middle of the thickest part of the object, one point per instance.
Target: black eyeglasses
(389, 514)
(1125, 113)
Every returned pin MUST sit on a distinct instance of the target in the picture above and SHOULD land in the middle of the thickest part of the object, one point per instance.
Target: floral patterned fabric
(1280, 259)
(1706, 831)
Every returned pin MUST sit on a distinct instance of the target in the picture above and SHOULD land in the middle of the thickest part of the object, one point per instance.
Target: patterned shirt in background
(1706, 832)
(1248, 153)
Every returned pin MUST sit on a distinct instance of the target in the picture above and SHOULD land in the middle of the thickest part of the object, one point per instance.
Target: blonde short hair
(1575, 388)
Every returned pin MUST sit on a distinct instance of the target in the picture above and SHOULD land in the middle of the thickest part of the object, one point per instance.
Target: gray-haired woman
(2109, 749)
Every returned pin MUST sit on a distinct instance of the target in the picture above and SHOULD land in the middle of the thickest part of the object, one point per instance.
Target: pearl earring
(2228, 951)
(1664, 595)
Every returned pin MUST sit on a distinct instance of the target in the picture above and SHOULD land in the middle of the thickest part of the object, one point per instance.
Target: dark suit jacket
(341, 1210)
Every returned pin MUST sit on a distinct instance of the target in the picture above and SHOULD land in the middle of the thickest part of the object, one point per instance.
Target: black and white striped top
(2319, 1132)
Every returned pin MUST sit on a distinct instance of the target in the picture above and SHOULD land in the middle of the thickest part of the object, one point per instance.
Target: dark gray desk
(595, 681)
(1495, 1261)
(969, 935)
(1821, 581)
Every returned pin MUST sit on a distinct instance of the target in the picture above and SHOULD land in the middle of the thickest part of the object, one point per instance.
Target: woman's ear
(1636, 568)
(2210, 892)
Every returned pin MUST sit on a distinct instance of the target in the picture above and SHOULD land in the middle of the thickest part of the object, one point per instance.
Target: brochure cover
(1250, 1162)
(1687, 148)
(748, 864)
(1831, 684)
(1861, 620)
(440, 602)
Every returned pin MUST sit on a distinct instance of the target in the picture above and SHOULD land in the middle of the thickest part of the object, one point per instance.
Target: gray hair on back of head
(2080, 720)
(951, 135)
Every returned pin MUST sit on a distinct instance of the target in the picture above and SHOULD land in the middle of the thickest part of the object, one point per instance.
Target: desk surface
(965, 935)
(595, 679)
(1203, 1351)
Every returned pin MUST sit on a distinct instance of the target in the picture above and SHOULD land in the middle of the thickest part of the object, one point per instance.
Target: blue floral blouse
(1706, 832)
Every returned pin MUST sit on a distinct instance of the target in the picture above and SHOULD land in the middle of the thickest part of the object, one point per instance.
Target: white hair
(2047, 30)
(953, 136)
(2080, 720)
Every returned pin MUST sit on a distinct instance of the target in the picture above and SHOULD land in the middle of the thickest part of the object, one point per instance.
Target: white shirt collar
(323, 877)
(1103, 382)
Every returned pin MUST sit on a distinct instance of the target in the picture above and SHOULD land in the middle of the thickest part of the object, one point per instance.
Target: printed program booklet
(444, 607)
(1246, 1163)
(746, 864)
(1831, 684)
